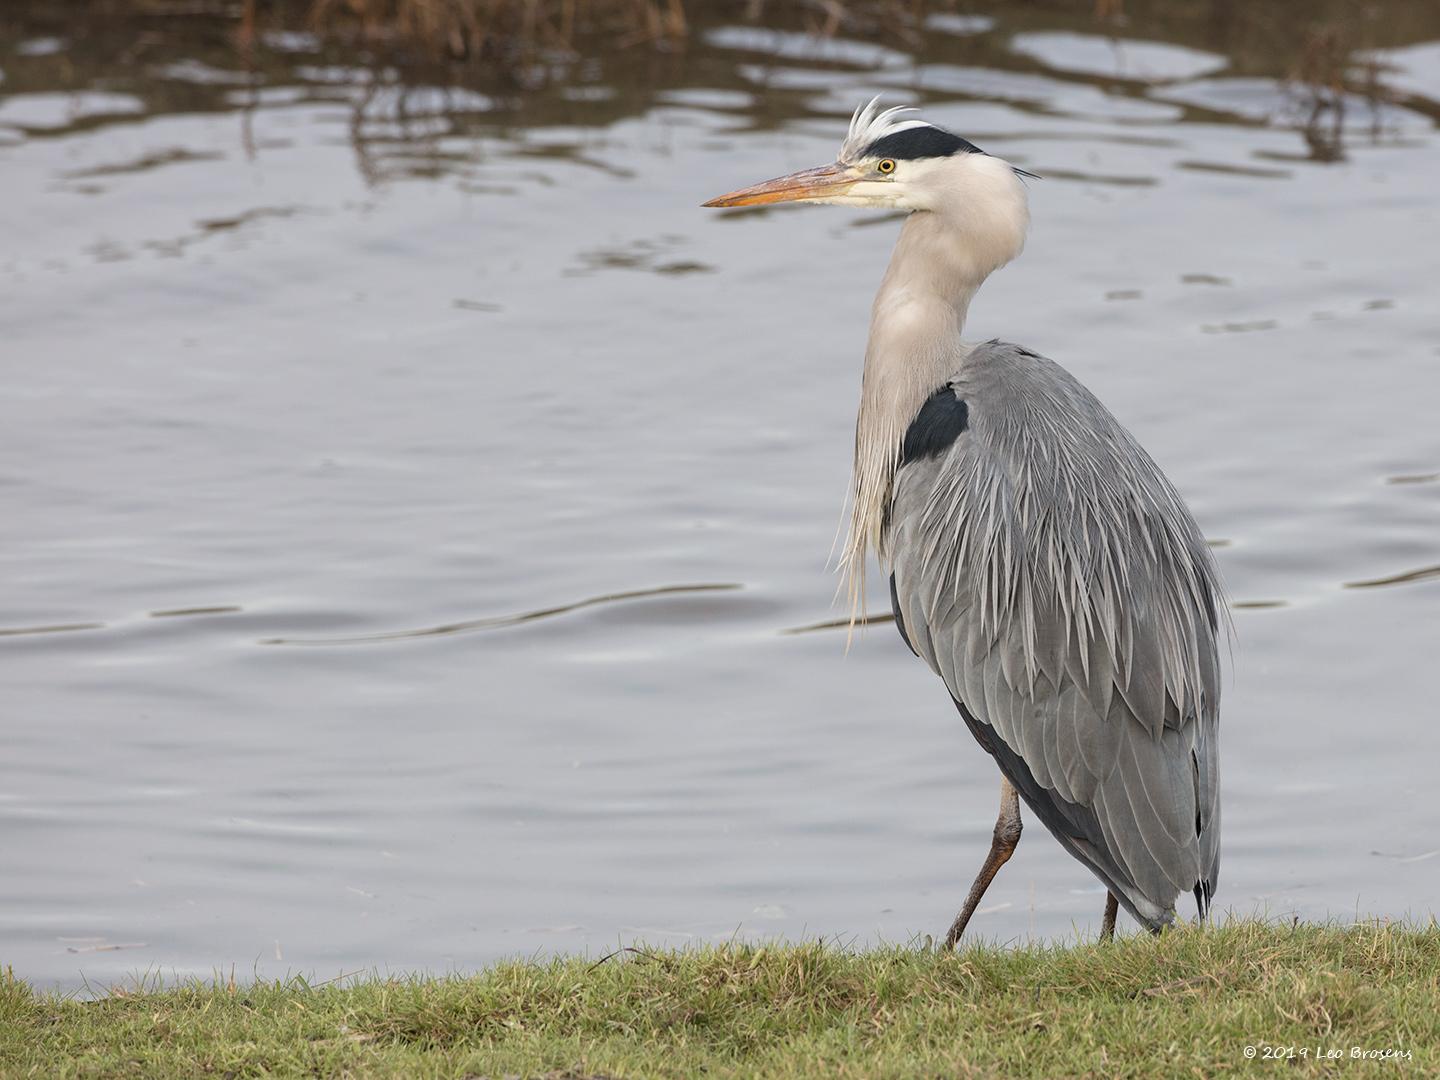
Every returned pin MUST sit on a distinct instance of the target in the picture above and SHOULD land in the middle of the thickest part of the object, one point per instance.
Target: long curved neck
(914, 348)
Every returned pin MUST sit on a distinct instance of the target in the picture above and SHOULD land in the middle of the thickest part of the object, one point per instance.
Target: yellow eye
(887, 166)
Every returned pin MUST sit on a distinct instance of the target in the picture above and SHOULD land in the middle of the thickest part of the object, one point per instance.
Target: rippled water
(417, 508)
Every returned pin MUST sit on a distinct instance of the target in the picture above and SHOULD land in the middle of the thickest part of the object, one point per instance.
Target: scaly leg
(1107, 926)
(1007, 835)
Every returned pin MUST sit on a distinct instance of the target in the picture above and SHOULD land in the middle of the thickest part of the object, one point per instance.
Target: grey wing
(1044, 568)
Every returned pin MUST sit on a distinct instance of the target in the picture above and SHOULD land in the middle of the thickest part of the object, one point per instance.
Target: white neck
(914, 348)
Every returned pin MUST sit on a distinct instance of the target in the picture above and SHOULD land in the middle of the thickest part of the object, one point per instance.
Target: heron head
(893, 161)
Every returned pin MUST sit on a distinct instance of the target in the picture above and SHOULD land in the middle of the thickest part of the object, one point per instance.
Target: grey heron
(1039, 561)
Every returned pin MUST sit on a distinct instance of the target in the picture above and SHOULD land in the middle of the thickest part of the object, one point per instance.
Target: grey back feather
(1049, 572)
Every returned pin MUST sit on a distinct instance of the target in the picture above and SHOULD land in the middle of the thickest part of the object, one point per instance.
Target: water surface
(411, 494)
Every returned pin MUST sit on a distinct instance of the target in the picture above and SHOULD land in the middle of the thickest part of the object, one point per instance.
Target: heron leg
(1002, 844)
(1107, 925)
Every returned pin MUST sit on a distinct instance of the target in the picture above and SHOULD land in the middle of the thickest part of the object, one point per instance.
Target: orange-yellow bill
(825, 181)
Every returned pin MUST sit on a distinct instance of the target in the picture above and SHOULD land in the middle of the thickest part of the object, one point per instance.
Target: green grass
(1186, 1004)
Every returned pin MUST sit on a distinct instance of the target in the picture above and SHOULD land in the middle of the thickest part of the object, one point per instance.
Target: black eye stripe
(920, 142)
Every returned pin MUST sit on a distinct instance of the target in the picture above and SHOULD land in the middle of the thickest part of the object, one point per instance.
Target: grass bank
(1187, 1004)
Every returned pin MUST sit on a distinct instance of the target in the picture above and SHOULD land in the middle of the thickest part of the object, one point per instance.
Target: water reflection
(1423, 478)
(60, 628)
(1329, 77)
(1408, 577)
(840, 624)
(496, 622)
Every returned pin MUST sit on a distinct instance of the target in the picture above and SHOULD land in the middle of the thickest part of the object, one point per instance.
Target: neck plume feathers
(913, 350)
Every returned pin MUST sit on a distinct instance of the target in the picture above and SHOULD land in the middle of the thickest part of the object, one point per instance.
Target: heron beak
(828, 181)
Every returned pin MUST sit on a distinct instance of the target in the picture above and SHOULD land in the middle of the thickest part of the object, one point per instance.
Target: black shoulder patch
(920, 142)
(938, 424)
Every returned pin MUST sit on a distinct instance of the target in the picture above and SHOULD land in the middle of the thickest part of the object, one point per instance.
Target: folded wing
(1049, 573)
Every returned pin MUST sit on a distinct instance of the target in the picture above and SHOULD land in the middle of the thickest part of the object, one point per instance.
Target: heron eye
(887, 166)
